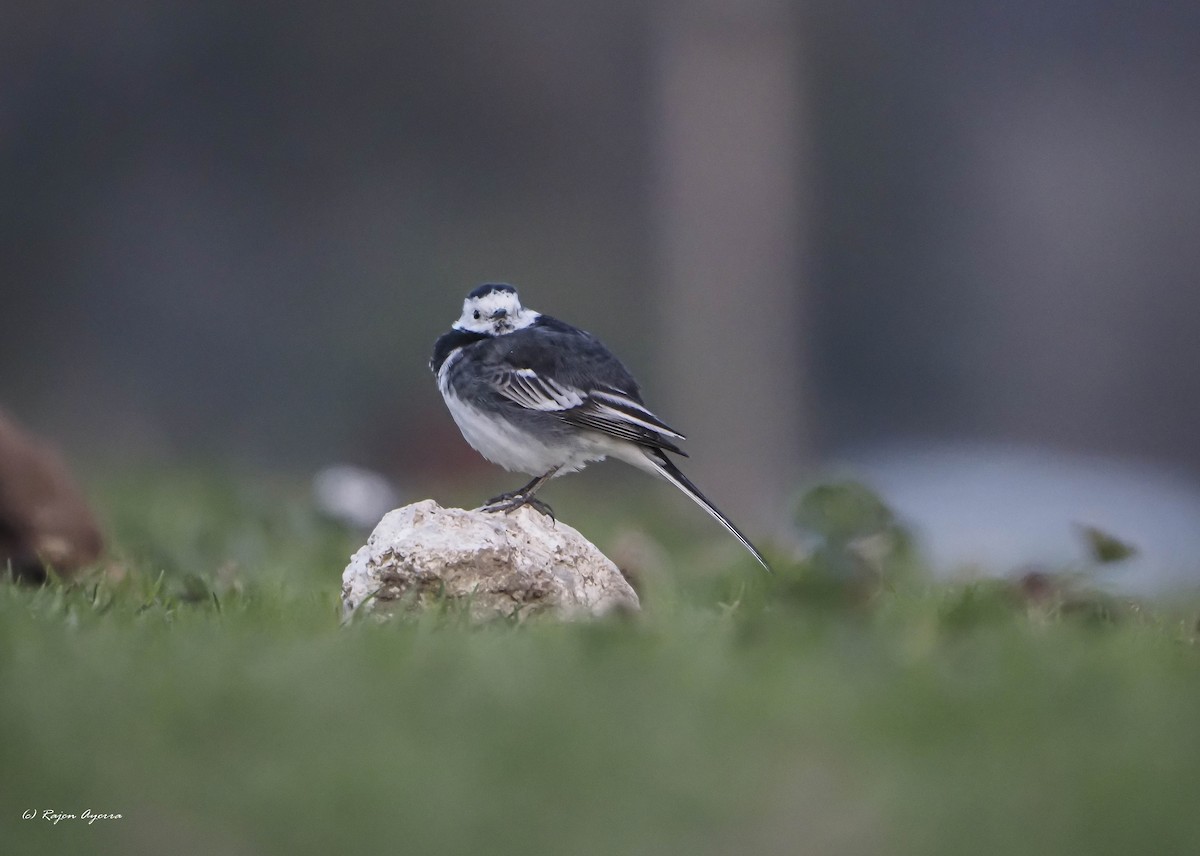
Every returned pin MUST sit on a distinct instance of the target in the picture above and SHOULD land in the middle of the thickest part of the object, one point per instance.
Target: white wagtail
(536, 395)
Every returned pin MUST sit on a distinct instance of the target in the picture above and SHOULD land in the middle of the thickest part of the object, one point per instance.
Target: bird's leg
(517, 498)
(512, 494)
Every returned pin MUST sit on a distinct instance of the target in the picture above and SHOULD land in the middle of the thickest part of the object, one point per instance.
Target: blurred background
(949, 248)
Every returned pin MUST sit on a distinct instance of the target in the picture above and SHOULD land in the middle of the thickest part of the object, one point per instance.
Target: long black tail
(671, 473)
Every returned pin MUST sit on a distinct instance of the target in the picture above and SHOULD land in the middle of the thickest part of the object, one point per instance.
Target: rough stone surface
(518, 563)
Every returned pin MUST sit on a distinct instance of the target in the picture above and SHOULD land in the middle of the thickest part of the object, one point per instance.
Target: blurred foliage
(1104, 547)
(859, 546)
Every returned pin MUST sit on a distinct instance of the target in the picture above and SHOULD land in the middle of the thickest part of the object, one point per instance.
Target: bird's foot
(503, 498)
(514, 500)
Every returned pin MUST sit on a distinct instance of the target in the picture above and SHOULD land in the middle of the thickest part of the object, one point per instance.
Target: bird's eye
(476, 314)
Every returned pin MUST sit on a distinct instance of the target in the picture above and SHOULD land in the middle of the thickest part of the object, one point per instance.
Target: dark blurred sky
(234, 229)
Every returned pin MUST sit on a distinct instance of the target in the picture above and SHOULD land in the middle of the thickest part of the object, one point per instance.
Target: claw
(515, 500)
(501, 499)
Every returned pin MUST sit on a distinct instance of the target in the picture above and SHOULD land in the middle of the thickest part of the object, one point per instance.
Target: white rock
(497, 563)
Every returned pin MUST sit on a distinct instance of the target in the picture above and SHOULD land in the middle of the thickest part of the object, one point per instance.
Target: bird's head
(494, 309)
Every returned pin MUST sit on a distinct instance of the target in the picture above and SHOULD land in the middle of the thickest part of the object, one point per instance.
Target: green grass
(211, 696)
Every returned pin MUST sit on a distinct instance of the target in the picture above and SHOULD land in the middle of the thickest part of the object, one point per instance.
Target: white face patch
(495, 313)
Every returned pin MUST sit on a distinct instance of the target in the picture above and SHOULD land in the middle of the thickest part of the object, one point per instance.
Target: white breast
(513, 448)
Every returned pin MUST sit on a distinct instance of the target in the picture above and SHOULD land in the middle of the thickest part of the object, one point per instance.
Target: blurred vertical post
(729, 150)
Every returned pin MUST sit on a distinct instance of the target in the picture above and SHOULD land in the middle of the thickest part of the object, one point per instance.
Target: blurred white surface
(996, 510)
(353, 495)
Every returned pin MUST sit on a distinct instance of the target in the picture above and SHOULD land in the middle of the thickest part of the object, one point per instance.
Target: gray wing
(563, 371)
(608, 411)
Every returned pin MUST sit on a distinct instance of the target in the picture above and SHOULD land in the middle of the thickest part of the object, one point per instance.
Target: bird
(537, 395)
